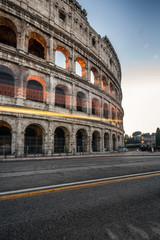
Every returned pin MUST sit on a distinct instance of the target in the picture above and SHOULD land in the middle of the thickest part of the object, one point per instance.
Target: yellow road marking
(29, 194)
(49, 113)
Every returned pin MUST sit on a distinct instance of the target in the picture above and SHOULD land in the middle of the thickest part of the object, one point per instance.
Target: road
(125, 208)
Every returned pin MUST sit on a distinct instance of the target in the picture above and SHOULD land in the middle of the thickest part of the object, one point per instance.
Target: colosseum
(60, 81)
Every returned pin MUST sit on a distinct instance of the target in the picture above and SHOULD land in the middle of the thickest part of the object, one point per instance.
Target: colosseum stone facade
(60, 81)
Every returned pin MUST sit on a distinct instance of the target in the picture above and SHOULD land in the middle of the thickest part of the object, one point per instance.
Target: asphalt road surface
(125, 208)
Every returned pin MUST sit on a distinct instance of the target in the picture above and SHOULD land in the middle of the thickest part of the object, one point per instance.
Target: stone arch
(81, 102)
(105, 110)
(82, 64)
(5, 138)
(114, 142)
(8, 32)
(113, 113)
(65, 52)
(111, 88)
(96, 141)
(95, 107)
(106, 141)
(61, 140)
(37, 45)
(61, 96)
(7, 82)
(81, 140)
(36, 89)
(94, 76)
(33, 139)
(104, 83)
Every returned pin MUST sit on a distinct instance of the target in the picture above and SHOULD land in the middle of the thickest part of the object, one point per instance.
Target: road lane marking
(75, 185)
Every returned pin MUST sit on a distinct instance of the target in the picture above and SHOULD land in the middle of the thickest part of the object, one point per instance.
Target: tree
(136, 133)
(158, 138)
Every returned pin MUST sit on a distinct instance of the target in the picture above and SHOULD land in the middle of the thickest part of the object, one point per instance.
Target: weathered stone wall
(41, 18)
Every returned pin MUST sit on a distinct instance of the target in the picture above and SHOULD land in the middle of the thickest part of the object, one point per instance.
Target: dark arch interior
(105, 111)
(81, 102)
(95, 142)
(80, 141)
(33, 140)
(36, 48)
(5, 140)
(59, 141)
(60, 98)
(106, 142)
(114, 142)
(34, 91)
(8, 36)
(6, 84)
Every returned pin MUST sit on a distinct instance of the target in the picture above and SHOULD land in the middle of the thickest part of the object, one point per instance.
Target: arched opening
(96, 142)
(33, 139)
(111, 88)
(5, 138)
(106, 142)
(114, 142)
(94, 76)
(80, 67)
(104, 83)
(37, 45)
(61, 96)
(81, 140)
(36, 89)
(6, 84)
(8, 32)
(61, 140)
(105, 111)
(62, 57)
(113, 113)
(95, 107)
(81, 102)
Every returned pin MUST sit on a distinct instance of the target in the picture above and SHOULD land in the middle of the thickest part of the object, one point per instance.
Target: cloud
(146, 45)
(155, 56)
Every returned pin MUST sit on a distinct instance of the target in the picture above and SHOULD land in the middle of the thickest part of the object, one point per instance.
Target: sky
(133, 27)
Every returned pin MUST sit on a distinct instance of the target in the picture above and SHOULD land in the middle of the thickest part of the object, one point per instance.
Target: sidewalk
(56, 156)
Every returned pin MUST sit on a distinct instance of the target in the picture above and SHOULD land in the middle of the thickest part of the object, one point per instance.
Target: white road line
(75, 183)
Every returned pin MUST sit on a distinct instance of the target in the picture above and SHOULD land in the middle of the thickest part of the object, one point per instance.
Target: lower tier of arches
(21, 135)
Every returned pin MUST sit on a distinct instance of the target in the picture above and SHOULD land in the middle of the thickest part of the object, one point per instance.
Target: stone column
(73, 140)
(110, 141)
(88, 72)
(51, 93)
(89, 103)
(50, 139)
(102, 141)
(19, 150)
(73, 62)
(51, 52)
(74, 99)
(90, 139)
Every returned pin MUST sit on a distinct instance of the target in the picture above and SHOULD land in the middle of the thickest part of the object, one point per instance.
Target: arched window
(113, 113)
(80, 67)
(94, 76)
(6, 82)
(33, 139)
(104, 83)
(105, 111)
(62, 57)
(5, 138)
(106, 142)
(61, 140)
(81, 102)
(114, 142)
(8, 32)
(81, 139)
(95, 107)
(96, 141)
(37, 45)
(61, 96)
(111, 88)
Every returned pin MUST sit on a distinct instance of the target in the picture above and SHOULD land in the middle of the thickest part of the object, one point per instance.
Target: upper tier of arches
(37, 45)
